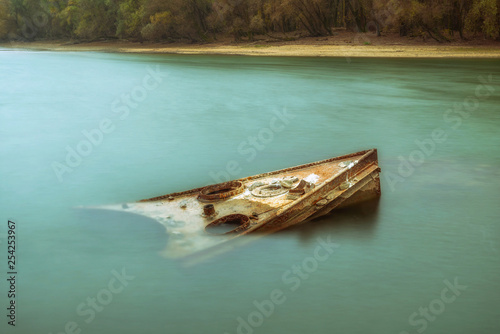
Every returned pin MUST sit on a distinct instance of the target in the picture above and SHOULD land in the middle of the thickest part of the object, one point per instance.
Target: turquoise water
(202, 119)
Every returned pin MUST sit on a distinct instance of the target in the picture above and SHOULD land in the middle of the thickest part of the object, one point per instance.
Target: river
(83, 129)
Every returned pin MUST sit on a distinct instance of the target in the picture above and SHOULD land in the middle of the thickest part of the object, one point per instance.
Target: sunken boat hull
(205, 221)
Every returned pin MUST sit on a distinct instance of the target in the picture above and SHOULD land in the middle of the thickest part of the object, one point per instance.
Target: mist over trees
(206, 20)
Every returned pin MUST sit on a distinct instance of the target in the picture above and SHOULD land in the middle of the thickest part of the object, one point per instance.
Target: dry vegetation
(209, 21)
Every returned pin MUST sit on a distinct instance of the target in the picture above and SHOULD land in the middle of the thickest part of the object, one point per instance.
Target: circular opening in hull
(230, 224)
(269, 190)
(221, 191)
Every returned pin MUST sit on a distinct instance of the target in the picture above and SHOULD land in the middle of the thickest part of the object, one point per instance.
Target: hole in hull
(221, 191)
(230, 224)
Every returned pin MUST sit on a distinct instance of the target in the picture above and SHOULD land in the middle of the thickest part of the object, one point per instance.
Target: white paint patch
(312, 178)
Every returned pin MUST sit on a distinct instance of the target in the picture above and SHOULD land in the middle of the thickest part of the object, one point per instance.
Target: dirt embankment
(341, 44)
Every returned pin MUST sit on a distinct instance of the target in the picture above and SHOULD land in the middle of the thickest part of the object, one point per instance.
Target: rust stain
(260, 204)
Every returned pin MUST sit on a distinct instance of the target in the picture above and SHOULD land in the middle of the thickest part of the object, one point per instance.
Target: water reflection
(359, 221)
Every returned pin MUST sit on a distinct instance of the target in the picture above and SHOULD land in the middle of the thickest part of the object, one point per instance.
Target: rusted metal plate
(259, 204)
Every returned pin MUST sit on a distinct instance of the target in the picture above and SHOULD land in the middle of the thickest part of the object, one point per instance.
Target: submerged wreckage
(205, 219)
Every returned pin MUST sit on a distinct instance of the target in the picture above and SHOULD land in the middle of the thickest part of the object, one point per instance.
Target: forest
(199, 21)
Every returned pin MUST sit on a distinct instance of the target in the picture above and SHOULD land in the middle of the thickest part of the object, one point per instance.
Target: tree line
(205, 20)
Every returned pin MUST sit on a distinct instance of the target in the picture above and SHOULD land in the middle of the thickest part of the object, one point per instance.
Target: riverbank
(347, 45)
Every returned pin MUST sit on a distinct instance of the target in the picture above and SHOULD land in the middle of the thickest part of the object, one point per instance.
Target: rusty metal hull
(260, 204)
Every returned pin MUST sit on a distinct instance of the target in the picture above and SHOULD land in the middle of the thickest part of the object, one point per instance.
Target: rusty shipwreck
(208, 220)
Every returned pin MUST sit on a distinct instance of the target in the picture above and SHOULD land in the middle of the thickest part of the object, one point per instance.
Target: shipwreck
(208, 220)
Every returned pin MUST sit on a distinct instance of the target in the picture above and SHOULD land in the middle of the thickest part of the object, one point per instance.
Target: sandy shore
(308, 47)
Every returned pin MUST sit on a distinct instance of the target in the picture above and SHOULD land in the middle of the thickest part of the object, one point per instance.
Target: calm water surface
(436, 225)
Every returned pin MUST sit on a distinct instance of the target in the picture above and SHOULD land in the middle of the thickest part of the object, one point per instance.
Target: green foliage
(483, 17)
(159, 26)
(239, 18)
(4, 19)
(65, 19)
(96, 18)
(202, 20)
(130, 18)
